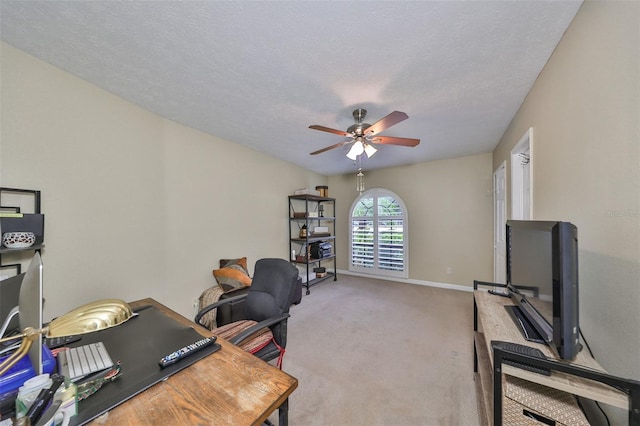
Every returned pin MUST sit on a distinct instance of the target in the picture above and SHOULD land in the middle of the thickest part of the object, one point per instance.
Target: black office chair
(263, 331)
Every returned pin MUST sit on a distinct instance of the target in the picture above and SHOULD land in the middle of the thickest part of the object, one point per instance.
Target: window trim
(377, 193)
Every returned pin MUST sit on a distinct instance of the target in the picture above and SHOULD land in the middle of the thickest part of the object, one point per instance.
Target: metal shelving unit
(307, 210)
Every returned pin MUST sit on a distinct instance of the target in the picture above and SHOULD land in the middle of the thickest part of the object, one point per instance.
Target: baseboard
(410, 281)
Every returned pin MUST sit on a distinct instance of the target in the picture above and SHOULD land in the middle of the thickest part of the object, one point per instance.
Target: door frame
(522, 178)
(500, 196)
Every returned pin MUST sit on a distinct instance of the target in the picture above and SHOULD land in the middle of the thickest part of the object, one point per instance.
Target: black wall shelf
(13, 219)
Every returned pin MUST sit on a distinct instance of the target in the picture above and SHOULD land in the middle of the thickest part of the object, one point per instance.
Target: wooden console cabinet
(513, 396)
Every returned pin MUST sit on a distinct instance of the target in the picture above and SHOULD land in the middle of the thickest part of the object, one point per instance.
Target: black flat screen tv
(542, 278)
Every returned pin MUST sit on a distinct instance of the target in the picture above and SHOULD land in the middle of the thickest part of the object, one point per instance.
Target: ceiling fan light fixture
(351, 155)
(362, 134)
(370, 150)
(355, 150)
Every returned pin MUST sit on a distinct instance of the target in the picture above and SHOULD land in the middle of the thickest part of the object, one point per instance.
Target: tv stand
(511, 395)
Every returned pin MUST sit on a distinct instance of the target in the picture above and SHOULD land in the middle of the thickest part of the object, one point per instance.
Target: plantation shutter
(363, 234)
(378, 243)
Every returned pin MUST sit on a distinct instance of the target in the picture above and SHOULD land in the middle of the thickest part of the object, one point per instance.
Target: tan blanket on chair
(208, 297)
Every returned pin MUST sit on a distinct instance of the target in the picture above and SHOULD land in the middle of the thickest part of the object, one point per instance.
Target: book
(11, 214)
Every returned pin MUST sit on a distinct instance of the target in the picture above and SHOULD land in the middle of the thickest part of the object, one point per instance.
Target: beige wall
(449, 203)
(139, 206)
(135, 205)
(585, 112)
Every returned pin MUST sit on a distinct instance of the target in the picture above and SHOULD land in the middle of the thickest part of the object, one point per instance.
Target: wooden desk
(230, 386)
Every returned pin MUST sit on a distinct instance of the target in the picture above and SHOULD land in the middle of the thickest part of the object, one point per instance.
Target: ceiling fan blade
(330, 130)
(394, 118)
(390, 140)
(320, 151)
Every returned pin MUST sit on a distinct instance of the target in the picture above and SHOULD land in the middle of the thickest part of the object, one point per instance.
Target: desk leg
(283, 413)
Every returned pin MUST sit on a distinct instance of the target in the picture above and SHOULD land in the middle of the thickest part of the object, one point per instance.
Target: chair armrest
(219, 303)
(262, 324)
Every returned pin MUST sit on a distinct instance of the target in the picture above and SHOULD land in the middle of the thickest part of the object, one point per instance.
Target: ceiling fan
(363, 135)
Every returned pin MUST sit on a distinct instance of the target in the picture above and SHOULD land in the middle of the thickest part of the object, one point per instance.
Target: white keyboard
(75, 363)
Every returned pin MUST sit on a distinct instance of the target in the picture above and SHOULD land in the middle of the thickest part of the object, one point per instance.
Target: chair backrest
(271, 293)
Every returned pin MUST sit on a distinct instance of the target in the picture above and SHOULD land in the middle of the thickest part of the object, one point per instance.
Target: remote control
(166, 361)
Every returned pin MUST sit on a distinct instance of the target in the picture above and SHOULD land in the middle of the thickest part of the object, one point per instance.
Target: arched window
(378, 242)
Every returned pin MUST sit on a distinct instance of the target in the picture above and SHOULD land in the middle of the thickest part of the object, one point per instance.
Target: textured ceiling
(259, 73)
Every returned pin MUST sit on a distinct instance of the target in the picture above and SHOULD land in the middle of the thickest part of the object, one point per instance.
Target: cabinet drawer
(525, 402)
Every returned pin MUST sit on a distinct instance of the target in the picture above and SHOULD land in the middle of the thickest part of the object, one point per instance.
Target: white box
(302, 272)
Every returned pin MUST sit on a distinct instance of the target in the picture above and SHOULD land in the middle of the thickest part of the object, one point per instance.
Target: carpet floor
(375, 352)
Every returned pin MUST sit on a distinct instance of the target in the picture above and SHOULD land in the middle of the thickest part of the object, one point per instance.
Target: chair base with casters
(264, 310)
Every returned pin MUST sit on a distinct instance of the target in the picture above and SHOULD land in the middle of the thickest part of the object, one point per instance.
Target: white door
(499, 222)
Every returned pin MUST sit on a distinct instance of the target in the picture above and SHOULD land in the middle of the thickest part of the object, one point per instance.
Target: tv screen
(542, 276)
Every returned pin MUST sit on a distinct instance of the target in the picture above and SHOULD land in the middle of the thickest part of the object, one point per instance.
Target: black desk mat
(139, 343)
